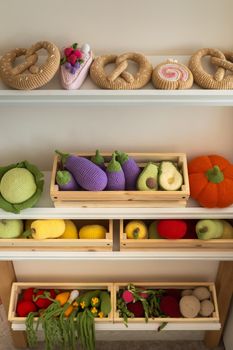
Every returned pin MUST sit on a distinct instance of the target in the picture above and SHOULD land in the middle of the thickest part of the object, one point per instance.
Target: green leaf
(75, 45)
(162, 326)
(63, 60)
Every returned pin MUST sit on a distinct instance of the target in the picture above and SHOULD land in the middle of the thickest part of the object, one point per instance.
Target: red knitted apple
(172, 229)
(28, 294)
(24, 307)
(43, 302)
(169, 305)
(136, 308)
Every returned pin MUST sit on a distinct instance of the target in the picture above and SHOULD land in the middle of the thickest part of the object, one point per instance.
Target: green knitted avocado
(21, 186)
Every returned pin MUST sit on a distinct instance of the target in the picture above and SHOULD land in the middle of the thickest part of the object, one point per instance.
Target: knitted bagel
(28, 75)
(218, 80)
(120, 78)
(171, 75)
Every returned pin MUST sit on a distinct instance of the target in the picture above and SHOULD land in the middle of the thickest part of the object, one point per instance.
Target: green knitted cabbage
(21, 186)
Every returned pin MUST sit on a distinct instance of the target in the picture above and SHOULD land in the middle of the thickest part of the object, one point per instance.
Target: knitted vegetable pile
(21, 186)
(67, 317)
(76, 173)
(138, 302)
(171, 229)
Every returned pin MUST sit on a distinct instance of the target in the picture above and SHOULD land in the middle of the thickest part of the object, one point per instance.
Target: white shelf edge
(89, 94)
(45, 210)
(121, 213)
(144, 326)
(213, 255)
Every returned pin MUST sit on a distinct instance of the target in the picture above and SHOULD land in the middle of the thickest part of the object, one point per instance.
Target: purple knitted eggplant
(130, 168)
(88, 175)
(98, 160)
(115, 174)
(66, 181)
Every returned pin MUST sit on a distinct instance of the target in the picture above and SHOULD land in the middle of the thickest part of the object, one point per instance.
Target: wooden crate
(65, 244)
(19, 286)
(155, 244)
(125, 198)
(169, 285)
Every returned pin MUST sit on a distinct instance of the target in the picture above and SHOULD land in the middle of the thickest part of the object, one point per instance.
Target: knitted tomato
(211, 181)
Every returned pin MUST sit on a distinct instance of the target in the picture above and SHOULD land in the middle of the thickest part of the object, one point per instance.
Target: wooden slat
(121, 204)
(224, 287)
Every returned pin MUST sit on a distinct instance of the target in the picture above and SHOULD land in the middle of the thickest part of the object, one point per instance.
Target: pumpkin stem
(215, 175)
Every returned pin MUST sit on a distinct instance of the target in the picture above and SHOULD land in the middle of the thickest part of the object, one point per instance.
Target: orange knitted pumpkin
(211, 181)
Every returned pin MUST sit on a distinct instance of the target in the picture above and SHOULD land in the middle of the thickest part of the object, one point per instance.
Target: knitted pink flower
(72, 59)
(127, 296)
(68, 51)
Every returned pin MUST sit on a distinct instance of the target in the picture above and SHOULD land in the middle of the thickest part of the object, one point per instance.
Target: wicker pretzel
(223, 62)
(28, 75)
(171, 75)
(120, 78)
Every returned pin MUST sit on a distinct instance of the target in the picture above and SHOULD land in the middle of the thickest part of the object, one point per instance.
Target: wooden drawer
(125, 198)
(155, 244)
(170, 285)
(19, 286)
(65, 244)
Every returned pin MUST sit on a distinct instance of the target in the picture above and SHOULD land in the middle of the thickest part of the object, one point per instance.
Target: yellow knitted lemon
(71, 231)
(92, 232)
(17, 185)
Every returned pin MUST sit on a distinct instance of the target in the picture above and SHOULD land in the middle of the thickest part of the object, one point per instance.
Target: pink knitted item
(72, 80)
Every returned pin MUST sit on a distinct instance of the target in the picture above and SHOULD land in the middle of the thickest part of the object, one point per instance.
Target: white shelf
(165, 254)
(46, 210)
(89, 94)
(144, 327)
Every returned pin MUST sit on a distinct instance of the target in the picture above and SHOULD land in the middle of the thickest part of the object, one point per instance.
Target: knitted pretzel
(171, 75)
(28, 75)
(120, 78)
(218, 80)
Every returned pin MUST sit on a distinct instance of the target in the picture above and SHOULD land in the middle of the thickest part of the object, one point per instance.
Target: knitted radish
(98, 160)
(130, 169)
(88, 175)
(66, 181)
(115, 174)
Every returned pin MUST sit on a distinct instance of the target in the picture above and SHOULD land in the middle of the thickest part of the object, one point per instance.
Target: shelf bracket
(7, 277)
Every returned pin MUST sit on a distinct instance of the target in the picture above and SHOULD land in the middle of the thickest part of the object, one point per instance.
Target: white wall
(150, 26)
(114, 25)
